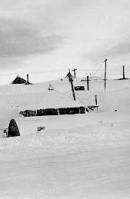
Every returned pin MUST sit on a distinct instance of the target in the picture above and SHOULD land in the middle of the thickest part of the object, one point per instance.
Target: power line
(98, 69)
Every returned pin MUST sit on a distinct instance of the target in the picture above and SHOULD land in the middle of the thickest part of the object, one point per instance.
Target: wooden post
(96, 102)
(72, 87)
(123, 72)
(105, 79)
(88, 83)
(74, 70)
(27, 78)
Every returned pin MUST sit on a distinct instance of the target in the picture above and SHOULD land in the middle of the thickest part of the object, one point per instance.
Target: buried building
(18, 80)
(23, 127)
(52, 102)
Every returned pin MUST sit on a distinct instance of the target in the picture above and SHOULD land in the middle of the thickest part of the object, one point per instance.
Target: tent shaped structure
(50, 87)
(13, 129)
(18, 80)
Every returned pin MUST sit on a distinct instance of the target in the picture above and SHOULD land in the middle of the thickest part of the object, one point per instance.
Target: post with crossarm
(88, 83)
(74, 70)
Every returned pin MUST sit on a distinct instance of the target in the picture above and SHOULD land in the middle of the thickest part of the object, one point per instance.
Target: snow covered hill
(76, 156)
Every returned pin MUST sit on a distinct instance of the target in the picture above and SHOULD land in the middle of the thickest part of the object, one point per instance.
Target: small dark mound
(13, 129)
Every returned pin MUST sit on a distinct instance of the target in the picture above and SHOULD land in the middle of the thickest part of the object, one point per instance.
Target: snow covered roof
(18, 80)
(51, 99)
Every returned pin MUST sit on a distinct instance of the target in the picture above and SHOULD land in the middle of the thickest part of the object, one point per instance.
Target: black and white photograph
(64, 99)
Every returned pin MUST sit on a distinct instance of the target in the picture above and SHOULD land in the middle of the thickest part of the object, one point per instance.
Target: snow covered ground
(83, 156)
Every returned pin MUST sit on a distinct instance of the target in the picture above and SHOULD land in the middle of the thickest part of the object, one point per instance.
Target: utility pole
(96, 102)
(88, 83)
(72, 87)
(105, 79)
(123, 72)
(74, 70)
(27, 78)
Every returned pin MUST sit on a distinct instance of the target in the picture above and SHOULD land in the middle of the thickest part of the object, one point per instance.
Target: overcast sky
(48, 35)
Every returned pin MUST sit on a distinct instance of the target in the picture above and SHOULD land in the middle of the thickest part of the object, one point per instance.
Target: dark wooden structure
(53, 111)
(79, 88)
(19, 80)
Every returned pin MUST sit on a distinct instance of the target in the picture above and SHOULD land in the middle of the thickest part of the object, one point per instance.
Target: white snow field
(83, 156)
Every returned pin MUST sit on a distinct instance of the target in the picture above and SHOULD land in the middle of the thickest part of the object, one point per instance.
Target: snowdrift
(21, 127)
